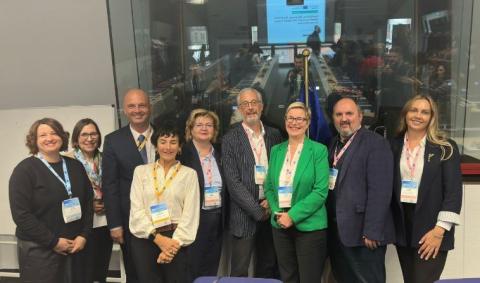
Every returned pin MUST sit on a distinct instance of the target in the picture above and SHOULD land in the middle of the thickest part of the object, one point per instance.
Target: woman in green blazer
(296, 189)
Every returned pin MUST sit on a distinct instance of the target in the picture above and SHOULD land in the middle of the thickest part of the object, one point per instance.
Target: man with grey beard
(245, 152)
(361, 185)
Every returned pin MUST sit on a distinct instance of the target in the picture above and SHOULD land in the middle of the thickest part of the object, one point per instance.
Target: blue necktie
(142, 149)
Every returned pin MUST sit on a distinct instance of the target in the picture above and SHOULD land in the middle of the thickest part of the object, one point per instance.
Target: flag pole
(306, 53)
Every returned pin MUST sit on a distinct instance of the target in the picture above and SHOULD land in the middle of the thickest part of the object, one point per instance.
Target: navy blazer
(189, 157)
(364, 190)
(238, 164)
(440, 190)
(120, 157)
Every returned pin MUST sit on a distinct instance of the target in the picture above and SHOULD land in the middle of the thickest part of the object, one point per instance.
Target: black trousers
(38, 264)
(416, 270)
(301, 255)
(204, 253)
(261, 244)
(128, 262)
(98, 251)
(355, 264)
(145, 254)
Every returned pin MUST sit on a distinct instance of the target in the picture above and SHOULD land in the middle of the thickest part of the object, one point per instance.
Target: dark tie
(142, 147)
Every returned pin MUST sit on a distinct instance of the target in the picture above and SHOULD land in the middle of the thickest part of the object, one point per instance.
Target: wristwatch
(152, 235)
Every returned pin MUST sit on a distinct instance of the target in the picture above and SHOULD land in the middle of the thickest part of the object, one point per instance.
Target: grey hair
(249, 89)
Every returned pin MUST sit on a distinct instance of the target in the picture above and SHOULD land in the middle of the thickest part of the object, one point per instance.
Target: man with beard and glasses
(361, 185)
(245, 151)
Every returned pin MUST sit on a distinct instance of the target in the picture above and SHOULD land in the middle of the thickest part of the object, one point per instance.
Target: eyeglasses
(291, 119)
(252, 103)
(87, 135)
(201, 126)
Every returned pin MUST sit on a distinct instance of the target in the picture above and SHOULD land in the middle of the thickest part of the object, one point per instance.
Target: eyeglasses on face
(201, 126)
(246, 104)
(93, 135)
(291, 119)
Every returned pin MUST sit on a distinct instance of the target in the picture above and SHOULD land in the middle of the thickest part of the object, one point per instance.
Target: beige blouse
(181, 196)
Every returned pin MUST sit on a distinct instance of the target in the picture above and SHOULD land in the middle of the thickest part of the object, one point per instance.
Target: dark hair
(79, 127)
(31, 140)
(299, 56)
(166, 128)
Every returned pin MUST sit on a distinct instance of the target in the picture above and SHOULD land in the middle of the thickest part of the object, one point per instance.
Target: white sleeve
(187, 226)
(140, 221)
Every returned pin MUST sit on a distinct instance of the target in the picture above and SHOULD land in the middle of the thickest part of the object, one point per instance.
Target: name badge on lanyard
(409, 192)
(212, 198)
(332, 178)
(285, 196)
(260, 174)
(71, 210)
(160, 215)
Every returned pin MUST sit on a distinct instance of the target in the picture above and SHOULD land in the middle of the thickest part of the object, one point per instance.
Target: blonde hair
(200, 112)
(300, 105)
(434, 135)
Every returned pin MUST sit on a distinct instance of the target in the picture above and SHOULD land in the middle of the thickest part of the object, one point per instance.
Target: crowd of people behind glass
(389, 76)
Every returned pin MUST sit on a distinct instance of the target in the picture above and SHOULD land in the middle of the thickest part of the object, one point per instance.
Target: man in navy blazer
(125, 149)
(245, 151)
(361, 186)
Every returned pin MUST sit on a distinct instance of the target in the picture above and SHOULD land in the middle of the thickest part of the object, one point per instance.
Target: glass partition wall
(200, 53)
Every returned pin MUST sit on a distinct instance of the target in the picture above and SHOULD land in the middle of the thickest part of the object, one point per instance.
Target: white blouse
(181, 196)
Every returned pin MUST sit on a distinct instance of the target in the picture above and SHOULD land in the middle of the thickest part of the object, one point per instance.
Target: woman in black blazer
(427, 191)
(200, 154)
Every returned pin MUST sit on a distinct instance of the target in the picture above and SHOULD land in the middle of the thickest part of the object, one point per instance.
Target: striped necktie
(142, 147)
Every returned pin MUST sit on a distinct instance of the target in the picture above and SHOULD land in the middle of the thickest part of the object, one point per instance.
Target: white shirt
(257, 143)
(289, 166)
(181, 196)
(148, 145)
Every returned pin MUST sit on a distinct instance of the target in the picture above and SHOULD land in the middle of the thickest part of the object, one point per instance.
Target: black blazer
(120, 157)
(189, 157)
(440, 190)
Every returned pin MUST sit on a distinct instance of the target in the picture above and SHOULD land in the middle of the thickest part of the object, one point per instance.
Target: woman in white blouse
(427, 192)
(164, 212)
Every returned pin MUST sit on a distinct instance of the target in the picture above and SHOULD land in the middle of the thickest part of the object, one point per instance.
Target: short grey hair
(249, 89)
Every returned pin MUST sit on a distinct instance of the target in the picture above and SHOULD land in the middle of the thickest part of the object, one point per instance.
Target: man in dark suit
(245, 151)
(361, 185)
(125, 149)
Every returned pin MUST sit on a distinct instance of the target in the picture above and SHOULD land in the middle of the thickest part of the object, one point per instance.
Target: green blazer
(310, 185)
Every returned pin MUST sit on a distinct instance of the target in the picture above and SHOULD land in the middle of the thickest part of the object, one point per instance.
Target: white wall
(55, 53)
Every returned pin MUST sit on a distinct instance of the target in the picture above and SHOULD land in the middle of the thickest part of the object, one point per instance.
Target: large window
(190, 54)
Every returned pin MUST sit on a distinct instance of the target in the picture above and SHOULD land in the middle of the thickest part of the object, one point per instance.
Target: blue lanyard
(95, 177)
(66, 183)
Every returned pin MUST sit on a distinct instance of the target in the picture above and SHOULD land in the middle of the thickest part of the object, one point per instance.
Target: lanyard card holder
(285, 196)
(71, 210)
(332, 178)
(260, 174)
(409, 193)
(160, 215)
(212, 198)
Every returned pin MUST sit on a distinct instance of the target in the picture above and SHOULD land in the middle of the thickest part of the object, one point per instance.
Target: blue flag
(319, 130)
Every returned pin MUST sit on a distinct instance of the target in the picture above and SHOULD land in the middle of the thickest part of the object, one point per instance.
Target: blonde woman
(427, 191)
(296, 189)
(202, 154)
